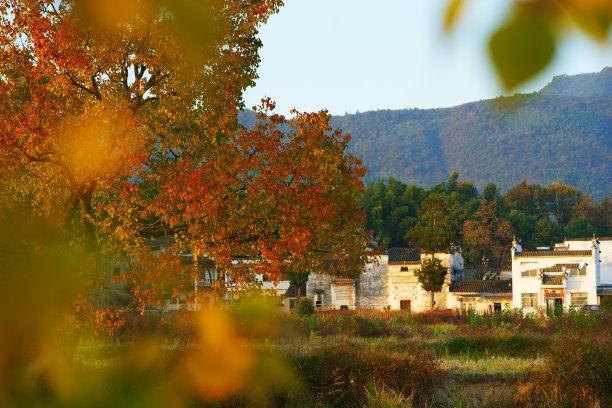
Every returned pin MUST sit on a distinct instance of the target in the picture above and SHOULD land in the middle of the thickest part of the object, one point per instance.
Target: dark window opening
(497, 307)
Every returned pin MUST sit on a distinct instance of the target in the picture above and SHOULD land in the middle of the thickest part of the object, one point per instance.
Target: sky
(355, 55)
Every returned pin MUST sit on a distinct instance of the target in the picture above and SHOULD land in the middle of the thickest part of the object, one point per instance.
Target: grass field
(358, 358)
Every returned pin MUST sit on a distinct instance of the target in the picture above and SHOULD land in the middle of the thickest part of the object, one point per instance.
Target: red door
(405, 305)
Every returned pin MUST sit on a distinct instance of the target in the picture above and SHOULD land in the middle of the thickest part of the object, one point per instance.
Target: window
(318, 301)
(578, 272)
(579, 299)
(404, 269)
(466, 305)
(529, 300)
(497, 307)
(529, 273)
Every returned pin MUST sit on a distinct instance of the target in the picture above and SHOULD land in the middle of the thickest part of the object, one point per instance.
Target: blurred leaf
(110, 13)
(592, 16)
(200, 25)
(521, 48)
(452, 13)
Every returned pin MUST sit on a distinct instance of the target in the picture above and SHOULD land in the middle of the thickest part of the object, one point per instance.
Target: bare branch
(83, 87)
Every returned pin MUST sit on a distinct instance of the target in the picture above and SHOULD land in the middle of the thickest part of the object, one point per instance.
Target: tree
(579, 228)
(560, 201)
(126, 129)
(431, 275)
(89, 100)
(524, 198)
(437, 225)
(297, 279)
(546, 232)
(491, 192)
(486, 232)
(522, 226)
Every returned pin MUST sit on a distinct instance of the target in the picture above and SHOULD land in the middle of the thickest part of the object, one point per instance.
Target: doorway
(405, 305)
(554, 306)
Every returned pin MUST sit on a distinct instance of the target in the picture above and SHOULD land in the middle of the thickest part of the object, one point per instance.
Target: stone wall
(319, 284)
(370, 287)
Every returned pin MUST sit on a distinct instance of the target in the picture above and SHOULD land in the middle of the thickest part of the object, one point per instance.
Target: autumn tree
(123, 126)
(598, 215)
(486, 233)
(431, 276)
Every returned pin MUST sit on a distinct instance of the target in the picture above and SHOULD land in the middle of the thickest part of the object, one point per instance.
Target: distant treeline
(400, 215)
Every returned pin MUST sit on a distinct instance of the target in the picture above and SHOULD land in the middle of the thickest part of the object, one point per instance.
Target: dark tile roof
(505, 264)
(401, 256)
(589, 239)
(559, 267)
(482, 286)
(604, 291)
(553, 253)
(343, 281)
(556, 280)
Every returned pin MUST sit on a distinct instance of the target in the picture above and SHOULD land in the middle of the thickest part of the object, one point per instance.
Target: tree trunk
(88, 227)
(299, 294)
(432, 299)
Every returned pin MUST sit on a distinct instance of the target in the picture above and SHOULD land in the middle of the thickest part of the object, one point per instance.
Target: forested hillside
(540, 138)
(561, 134)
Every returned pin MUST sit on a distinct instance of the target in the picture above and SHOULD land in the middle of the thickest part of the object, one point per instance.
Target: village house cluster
(574, 273)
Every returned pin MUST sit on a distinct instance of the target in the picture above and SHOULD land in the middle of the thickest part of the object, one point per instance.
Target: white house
(605, 256)
(387, 281)
(482, 296)
(566, 276)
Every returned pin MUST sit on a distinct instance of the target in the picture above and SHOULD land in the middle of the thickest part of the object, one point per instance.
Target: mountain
(593, 84)
(563, 134)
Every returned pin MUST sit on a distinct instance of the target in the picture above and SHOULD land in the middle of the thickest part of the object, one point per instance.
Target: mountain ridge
(562, 134)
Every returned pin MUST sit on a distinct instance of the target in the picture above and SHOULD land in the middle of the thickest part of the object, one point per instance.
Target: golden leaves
(221, 364)
(100, 143)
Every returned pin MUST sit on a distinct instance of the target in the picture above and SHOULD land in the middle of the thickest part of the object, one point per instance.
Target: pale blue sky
(349, 55)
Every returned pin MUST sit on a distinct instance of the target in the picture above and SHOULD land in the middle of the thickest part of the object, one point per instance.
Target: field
(253, 356)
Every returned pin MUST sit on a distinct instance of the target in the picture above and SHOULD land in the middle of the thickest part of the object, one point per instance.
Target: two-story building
(564, 277)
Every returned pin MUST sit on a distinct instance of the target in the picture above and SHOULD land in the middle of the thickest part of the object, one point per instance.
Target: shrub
(304, 307)
(606, 302)
(370, 326)
(340, 375)
(577, 372)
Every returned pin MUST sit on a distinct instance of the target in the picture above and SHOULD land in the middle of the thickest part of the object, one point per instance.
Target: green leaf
(520, 49)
